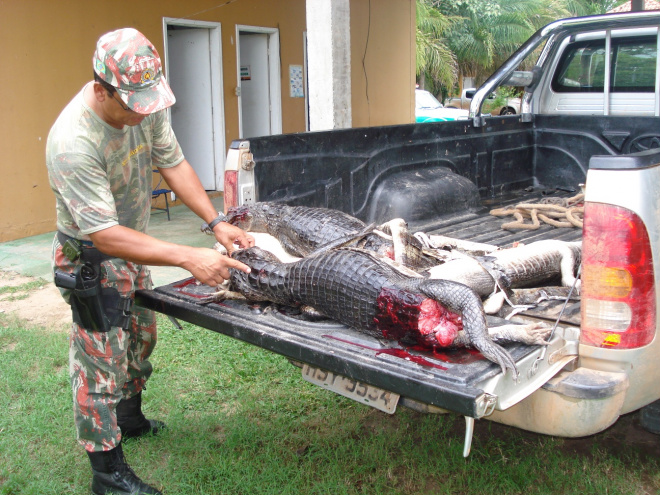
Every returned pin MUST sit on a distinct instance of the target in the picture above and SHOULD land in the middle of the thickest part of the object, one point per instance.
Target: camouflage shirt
(101, 176)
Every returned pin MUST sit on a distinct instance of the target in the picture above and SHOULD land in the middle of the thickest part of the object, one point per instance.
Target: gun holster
(94, 307)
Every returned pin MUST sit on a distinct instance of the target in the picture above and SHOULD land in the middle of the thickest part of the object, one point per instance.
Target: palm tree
(436, 63)
(493, 29)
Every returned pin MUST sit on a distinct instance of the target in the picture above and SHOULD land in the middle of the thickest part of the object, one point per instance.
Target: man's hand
(183, 180)
(228, 235)
(212, 268)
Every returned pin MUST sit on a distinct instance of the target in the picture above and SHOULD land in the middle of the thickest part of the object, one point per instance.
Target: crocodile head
(240, 216)
(254, 256)
(257, 217)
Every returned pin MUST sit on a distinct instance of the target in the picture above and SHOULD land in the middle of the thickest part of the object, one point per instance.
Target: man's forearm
(137, 247)
(205, 264)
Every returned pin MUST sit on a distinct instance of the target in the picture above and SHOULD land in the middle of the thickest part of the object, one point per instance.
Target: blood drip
(400, 353)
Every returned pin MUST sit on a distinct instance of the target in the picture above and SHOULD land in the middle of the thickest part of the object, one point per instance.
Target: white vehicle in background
(429, 109)
(492, 104)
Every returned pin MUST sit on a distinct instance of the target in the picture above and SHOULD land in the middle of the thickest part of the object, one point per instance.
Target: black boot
(113, 475)
(131, 420)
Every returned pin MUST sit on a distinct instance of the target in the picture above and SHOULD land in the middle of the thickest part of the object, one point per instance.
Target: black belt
(88, 252)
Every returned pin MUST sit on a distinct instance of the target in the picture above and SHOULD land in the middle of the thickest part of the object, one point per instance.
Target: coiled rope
(558, 212)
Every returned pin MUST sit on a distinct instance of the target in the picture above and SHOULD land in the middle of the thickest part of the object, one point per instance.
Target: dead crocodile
(304, 230)
(530, 265)
(362, 291)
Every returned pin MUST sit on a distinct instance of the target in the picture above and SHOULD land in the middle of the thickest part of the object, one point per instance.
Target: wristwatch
(220, 218)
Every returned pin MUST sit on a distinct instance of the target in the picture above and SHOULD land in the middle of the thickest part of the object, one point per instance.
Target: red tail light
(231, 189)
(618, 291)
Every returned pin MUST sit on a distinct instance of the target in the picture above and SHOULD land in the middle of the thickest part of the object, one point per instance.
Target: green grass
(17, 292)
(242, 421)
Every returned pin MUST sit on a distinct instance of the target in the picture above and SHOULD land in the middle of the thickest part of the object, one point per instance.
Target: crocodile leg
(222, 295)
(464, 301)
(530, 334)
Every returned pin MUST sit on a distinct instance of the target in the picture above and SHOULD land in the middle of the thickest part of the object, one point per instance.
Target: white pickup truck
(590, 114)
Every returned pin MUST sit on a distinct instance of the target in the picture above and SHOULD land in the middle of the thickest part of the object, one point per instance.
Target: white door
(255, 84)
(189, 74)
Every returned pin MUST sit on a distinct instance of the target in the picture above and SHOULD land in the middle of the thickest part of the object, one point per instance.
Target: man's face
(123, 114)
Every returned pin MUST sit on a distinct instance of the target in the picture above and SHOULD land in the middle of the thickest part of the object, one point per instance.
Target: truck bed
(458, 380)
(481, 226)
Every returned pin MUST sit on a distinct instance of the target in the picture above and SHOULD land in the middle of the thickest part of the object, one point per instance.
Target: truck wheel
(507, 111)
(649, 417)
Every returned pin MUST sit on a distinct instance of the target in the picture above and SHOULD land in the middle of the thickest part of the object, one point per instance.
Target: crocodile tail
(466, 302)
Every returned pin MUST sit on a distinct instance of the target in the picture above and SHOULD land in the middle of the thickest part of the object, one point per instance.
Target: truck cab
(585, 67)
(586, 81)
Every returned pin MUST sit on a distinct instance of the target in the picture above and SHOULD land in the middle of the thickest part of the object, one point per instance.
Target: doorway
(259, 88)
(193, 57)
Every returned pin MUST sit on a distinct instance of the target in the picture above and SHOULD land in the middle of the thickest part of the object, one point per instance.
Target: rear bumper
(573, 404)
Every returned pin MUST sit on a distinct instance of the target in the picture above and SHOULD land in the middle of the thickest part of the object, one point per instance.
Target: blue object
(157, 191)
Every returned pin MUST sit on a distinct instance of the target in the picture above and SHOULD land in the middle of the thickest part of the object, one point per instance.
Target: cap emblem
(147, 76)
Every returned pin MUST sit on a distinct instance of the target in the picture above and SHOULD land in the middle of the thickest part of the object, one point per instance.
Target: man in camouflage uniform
(100, 155)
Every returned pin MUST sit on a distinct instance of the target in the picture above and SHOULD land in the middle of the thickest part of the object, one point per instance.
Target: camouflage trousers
(105, 367)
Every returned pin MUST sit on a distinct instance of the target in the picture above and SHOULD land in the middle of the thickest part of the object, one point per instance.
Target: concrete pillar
(329, 64)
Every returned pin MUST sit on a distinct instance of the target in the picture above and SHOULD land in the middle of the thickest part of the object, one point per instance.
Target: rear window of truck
(582, 66)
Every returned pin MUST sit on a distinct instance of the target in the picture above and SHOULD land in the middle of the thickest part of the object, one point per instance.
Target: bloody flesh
(405, 314)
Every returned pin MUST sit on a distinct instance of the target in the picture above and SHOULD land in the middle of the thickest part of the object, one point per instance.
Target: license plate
(353, 389)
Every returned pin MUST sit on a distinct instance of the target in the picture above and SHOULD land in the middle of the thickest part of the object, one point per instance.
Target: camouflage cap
(127, 60)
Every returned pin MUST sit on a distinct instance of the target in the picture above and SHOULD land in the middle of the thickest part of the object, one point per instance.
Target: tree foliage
(577, 8)
(436, 62)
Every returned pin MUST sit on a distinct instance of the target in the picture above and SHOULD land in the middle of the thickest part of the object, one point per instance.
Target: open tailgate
(461, 381)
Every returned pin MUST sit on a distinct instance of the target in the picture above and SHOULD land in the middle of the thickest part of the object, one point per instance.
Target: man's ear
(100, 93)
